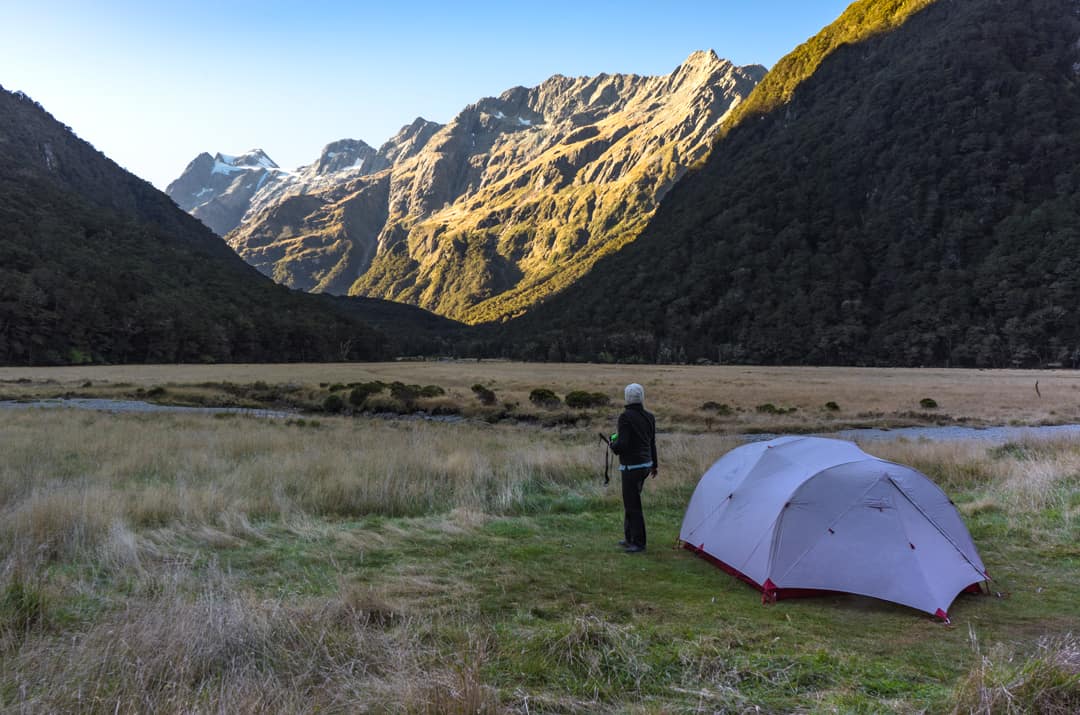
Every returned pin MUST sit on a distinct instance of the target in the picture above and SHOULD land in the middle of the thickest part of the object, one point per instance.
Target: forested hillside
(98, 266)
(902, 190)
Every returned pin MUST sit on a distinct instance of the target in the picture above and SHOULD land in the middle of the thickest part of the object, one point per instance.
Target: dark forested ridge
(914, 201)
(98, 266)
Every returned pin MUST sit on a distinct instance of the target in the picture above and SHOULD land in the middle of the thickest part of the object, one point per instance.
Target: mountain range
(901, 189)
(482, 218)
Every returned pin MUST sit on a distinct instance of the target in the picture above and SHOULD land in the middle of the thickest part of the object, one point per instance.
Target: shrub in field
(385, 404)
(543, 397)
(769, 408)
(928, 403)
(406, 394)
(832, 406)
(720, 408)
(361, 391)
(333, 403)
(580, 399)
(485, 395)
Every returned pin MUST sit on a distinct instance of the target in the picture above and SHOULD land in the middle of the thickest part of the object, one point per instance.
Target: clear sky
(151, 83)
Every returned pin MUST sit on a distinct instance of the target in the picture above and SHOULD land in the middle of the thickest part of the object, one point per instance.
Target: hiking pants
(633, 481)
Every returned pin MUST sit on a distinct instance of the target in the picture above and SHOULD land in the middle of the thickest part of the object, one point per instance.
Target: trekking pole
(607, 458)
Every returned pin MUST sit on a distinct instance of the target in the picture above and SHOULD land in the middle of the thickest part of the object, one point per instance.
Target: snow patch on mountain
(222, 167)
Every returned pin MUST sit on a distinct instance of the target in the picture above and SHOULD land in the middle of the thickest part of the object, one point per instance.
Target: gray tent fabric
(810, 513)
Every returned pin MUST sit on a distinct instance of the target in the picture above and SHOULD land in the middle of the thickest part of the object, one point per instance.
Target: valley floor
(699, 398)
(188, 562)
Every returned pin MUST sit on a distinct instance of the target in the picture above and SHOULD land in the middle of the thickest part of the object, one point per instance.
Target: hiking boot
(634, 548)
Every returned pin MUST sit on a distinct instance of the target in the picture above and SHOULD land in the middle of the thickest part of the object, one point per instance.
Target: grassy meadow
(349, 562)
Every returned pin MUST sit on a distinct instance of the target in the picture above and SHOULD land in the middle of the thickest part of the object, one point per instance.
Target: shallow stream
(952, 433)
(136, 406)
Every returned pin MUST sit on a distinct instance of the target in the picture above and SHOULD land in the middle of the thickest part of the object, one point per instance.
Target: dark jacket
(636, 440)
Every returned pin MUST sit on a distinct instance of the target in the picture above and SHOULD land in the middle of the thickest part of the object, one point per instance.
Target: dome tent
(798, 514)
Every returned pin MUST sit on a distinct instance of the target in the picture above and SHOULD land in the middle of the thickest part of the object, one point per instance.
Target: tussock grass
(179, 563)
(1004, 682)
(176, 651)
(1039, 481)
(1018, 480)
(954, 466)
(23, 603)
(605, 656)
(71, 500)
(58, 523)
(66, 497)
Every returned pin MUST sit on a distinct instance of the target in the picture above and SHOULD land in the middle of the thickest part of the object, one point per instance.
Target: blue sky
(152, 84)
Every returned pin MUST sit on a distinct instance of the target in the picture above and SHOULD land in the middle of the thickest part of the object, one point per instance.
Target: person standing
(635, 444)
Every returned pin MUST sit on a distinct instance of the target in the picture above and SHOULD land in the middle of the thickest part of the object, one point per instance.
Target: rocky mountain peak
(343, 154)
(217, 189)
(701, 63)
(251, 159)
(409, 140)
(703, 59)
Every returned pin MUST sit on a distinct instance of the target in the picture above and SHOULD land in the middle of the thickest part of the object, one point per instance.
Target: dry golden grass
(111, 599)
(1005, 682)
(69, 478)
(73, 483)
(76, 485)
(1020, 479)
(193, 644)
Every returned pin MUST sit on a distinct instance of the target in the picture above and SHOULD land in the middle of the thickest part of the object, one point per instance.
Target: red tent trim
(770, 593)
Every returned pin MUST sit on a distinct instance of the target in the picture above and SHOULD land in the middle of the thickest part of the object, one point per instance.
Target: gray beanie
(635, 394)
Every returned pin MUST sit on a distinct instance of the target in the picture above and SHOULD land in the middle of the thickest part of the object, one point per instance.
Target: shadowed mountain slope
(97, 265)
(903, 192)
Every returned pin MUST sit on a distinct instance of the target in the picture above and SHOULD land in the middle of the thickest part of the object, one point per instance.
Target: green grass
(194, 594)
(568, 617)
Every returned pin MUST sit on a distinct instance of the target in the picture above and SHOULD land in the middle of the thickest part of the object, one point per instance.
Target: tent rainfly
(798, 515)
